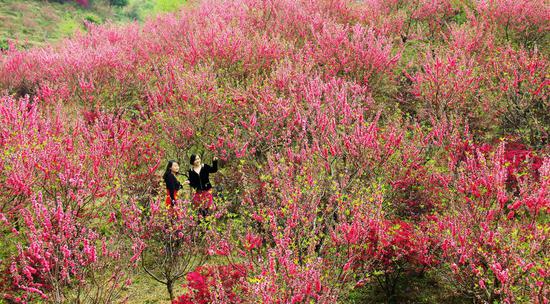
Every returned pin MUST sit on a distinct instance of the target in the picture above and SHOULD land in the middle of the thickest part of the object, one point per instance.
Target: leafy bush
(118, 2)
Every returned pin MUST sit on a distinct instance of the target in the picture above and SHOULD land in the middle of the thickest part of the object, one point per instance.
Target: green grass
(67, 27)
(162, 6)
(38, 22)
(146, 290)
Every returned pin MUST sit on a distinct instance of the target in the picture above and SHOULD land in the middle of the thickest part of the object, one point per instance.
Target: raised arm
(214, 167)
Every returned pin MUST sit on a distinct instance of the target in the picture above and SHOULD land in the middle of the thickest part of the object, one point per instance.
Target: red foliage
(207, 284)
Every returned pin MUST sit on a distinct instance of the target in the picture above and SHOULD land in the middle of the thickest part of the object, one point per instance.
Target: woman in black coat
(172, 183)
(199, 181)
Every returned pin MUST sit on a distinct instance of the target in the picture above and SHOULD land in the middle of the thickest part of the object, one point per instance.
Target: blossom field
(365, 147)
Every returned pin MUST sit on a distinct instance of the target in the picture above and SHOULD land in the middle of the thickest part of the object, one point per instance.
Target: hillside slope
(35, 23)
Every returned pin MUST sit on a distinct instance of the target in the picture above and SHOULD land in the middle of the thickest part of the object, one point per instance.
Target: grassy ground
(37, 22)
(412, 289)
(148, 291)
(416, 288)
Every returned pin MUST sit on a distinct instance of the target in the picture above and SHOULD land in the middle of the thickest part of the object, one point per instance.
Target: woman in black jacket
(199, 180)
(172, 183)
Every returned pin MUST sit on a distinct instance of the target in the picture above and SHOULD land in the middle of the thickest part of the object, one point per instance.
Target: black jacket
(202, 182)
(172, 184)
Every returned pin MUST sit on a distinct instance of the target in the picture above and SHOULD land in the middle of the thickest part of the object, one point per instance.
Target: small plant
(93, 19)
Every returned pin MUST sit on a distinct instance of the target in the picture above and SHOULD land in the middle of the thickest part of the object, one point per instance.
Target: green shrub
(4, 45)
(68, 26)
(93, 19)
(120, 3)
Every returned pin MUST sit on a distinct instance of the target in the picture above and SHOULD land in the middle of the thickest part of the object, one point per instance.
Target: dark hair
(192, 158)
(168, 169)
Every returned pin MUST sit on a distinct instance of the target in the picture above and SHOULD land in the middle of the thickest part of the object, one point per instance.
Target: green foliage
(415, 288)
(93, 19)
(4, 44)
(67, 27)
(167, 5)
(138, 10)
(118, 2)
(141, 9)
(460, 17)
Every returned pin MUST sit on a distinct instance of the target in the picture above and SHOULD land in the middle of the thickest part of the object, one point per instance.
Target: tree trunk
(170, 286)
